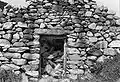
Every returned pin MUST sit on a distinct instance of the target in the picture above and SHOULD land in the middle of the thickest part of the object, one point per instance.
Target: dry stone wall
(93, 34)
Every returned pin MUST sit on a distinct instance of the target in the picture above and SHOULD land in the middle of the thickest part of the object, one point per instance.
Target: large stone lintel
(49, 31)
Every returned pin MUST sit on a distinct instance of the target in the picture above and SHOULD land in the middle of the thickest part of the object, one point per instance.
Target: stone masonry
(92, 35)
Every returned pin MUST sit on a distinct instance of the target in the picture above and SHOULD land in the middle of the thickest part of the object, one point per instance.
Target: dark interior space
(51, 45)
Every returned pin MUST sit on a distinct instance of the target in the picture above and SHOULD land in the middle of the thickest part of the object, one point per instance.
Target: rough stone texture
(12, 55)
(19, 61)
(115, 43)
(32, 73)
(4, 43)
(31, 67)
(7, 25)
(10, 67)
(92, 35)
(49, 31)
(72, 51)
(30, 56)
(109, 51)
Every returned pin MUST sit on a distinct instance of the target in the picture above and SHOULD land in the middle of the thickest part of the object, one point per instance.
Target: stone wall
(93, 34)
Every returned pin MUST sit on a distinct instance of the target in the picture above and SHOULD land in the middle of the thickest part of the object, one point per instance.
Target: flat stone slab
(49, 31)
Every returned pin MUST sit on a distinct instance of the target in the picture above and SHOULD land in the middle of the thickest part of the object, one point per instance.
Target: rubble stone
(92, 26)
(8, 25)
(7, 36)
(102, 44)
(12, 55)
(73, 51)
(91, 33)
(30, 56)
(31, 67)
(5, 43)
(19, 61)
(16, 36)
(3, 59)
(74, 57)
(93, 39)
(18, 44)
(10, 67)
(114, 43)
(34, 62)
(32, 73)
(109, 51)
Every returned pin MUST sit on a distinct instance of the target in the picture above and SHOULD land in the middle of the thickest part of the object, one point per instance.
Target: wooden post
(40, 68)
(65, 59)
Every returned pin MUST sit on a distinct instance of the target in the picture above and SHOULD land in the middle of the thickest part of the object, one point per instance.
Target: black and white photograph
(59, 40)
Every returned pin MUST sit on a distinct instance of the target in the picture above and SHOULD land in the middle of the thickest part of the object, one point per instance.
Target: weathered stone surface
(72, 76)
(89, 33)
(32, 73)
(32, 67)
(77, 44)
(95, 52)
(28, 31)
(118, 37)
(76, 71)
(1, 54)
(19, 61)
(33, 79)
(22, 25)
(42, 25)
(99, 27)
(7, 36)
(89, 29)
(28, 36)
(34, 61)
(102, 44)
(30, 56)
(18, 49)
(73, 62)
(48, 68)
(118, 22)
(49, 31)
(101, 58)
(72, 51)
(18, 29)
(5, 43)
(71, 1)
(3, 59)
(47, 20)
(2, 32)
(16, 36)
(74, 57)
(109, 17)
(109, 51)
(10, 67)
(88, 62)
(88, 13)
(114, 43)
(93, 39)
(12, 55)
(18, 44)
(8, 25)
(92, 57)
(21, 34)
(92, 26)
(39, 21)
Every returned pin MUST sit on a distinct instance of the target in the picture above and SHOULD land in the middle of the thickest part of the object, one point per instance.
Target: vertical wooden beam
(65, 59)
(40, 69)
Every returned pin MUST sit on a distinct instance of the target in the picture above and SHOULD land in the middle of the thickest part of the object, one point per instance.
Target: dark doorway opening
(51, 50)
